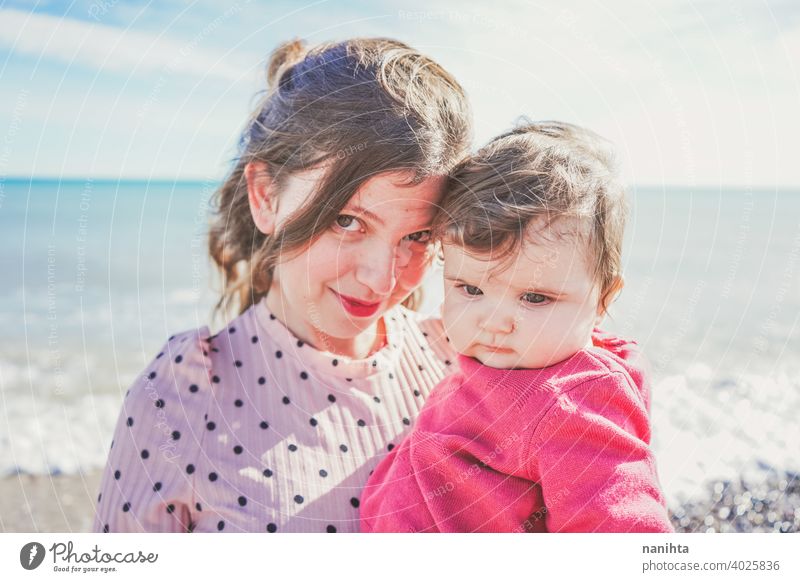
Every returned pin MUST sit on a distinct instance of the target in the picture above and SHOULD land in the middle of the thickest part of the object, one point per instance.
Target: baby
(545, 426)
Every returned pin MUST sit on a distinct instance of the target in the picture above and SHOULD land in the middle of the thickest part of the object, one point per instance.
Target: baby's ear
(610, 296)
(262, 195)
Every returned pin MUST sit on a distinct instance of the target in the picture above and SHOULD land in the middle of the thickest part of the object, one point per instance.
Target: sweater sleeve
(147, 483)
(591, 455)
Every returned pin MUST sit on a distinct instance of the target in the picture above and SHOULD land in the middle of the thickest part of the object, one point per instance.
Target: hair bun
(283, 57)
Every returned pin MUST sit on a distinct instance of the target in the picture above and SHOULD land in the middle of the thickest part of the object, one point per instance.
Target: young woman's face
(373, 256)
(533, 311)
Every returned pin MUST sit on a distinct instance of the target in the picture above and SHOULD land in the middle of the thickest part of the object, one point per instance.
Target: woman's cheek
(414, 272)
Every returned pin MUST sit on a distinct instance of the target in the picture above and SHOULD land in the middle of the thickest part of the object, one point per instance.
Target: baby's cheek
(456, 320)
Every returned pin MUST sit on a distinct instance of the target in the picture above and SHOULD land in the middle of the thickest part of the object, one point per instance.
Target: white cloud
(119, 50)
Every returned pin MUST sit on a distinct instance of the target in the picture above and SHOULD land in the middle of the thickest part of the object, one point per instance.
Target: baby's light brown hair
(539, 173)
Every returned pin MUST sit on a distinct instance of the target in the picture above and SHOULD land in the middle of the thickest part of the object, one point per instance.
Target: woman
(322, 233)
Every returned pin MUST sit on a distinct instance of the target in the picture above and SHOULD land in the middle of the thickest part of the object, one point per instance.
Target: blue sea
(98, 274)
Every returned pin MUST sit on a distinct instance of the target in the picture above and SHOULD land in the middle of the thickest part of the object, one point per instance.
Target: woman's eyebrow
(359, 210)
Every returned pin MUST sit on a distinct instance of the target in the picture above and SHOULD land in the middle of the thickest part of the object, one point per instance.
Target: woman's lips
(356, 307)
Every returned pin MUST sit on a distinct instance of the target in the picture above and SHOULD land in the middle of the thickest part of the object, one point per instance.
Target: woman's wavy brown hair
(360, 107)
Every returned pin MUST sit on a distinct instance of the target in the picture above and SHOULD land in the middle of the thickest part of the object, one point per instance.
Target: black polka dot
(286, 400)
(145, 454)
(323, 473)
(293, 448)
(354, 501)
(374, 363)
(267, 473)
(170, 508)
(304, 375)
(157, 486)
(406, 421)
(238, 449)
(176, 435)
(178, 359)
(447, 362)
(313, 422)
(298, 499)
(335, 362)
(272, 528)
(99, 497)
(331, 398)
(112, 444)
(264, 424)
(271, 316)
(159, 355)
(238, 363)
(420, 367)
(348, 379)
(389, 447)
(212, 476)
(254, 339)
(198, 507)
(117, 475)
(130, 421)
(238, 403)
(425, 333)
(172, 337)
(190, 468)
(262, 380)
(152, 375)
(391, 376)
(343, 448)
(126, 506)
(192, 525)
(211, 425)
(417, 393)
(300, 343)
(220, 525)
(215, 350)
(242, 500)
(279, 354)
(159, 403)
(105, 528)
(231, 330)
(330, 529)
(376, 399)
(193, 388)
(215, 379)
(361, 422)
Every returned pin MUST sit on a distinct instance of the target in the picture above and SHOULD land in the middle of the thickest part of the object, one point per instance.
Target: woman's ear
(262, 195)
(611, 295)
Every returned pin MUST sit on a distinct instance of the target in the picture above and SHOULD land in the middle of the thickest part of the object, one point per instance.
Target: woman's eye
(422, 236)
(534, 298)
(348, 223)
(471, 290)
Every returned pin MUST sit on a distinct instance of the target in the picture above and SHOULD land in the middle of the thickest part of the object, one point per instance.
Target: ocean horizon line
(197, 180)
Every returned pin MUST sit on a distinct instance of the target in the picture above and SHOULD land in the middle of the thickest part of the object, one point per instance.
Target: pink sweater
(559, 449)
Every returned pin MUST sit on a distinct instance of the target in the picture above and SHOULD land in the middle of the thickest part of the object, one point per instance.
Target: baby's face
(535, 309)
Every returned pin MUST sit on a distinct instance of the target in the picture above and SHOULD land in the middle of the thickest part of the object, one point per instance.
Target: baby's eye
(346, 223)
(534, 298)
(422, 236)
(471, 290)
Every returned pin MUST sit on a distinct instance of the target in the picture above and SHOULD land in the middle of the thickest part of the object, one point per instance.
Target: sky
(692, 93)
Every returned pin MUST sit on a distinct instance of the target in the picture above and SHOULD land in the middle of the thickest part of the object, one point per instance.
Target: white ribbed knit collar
(327, 362)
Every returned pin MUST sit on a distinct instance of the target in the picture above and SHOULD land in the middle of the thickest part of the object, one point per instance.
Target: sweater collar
(327, 362)
(478, 374)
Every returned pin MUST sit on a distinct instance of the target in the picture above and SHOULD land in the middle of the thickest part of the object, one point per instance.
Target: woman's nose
(376, 268)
